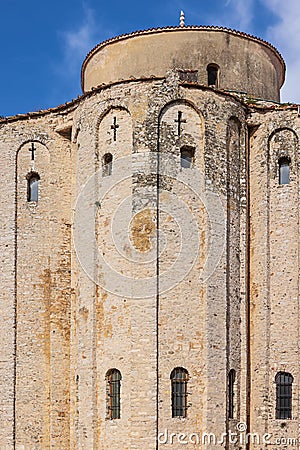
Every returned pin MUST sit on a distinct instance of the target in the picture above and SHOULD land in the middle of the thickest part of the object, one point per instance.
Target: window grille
(114, 393)
(179, 379)
(284, 383)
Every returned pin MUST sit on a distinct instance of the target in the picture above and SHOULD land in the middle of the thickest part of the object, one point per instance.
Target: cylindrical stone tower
(162, 304)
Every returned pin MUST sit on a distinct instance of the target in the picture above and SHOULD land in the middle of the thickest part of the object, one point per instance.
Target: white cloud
(240, 13)
(78, 42)
(285, 35)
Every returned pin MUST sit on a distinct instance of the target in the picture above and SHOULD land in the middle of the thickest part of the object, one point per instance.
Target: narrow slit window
(179, 378)
(33, 188)
(107, 164)
(284, 170)
(284, 382)
(231, 394)
(213, 75)
(114, 378)
(187, 155)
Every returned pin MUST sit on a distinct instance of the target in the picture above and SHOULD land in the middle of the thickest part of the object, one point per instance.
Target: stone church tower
(150, 252)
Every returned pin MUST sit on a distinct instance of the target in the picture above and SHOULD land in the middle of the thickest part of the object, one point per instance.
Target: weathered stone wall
(187, 322)
(274, 260)
(38, 301)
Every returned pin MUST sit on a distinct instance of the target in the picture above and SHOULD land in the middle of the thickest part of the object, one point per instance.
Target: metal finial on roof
(182, 24)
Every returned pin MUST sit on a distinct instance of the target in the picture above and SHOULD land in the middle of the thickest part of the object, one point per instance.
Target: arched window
(179, 378)
(213, 75)
(107, 164)
(33, 187)
(113, 379)
(187, 155)
(231, 394)
(284, 383)
(284, 170)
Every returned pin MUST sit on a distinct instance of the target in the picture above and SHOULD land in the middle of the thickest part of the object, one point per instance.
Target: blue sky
(44, 42)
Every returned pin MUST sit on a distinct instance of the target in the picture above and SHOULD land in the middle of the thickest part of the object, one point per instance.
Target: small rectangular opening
(191, 76)
(187, 156)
